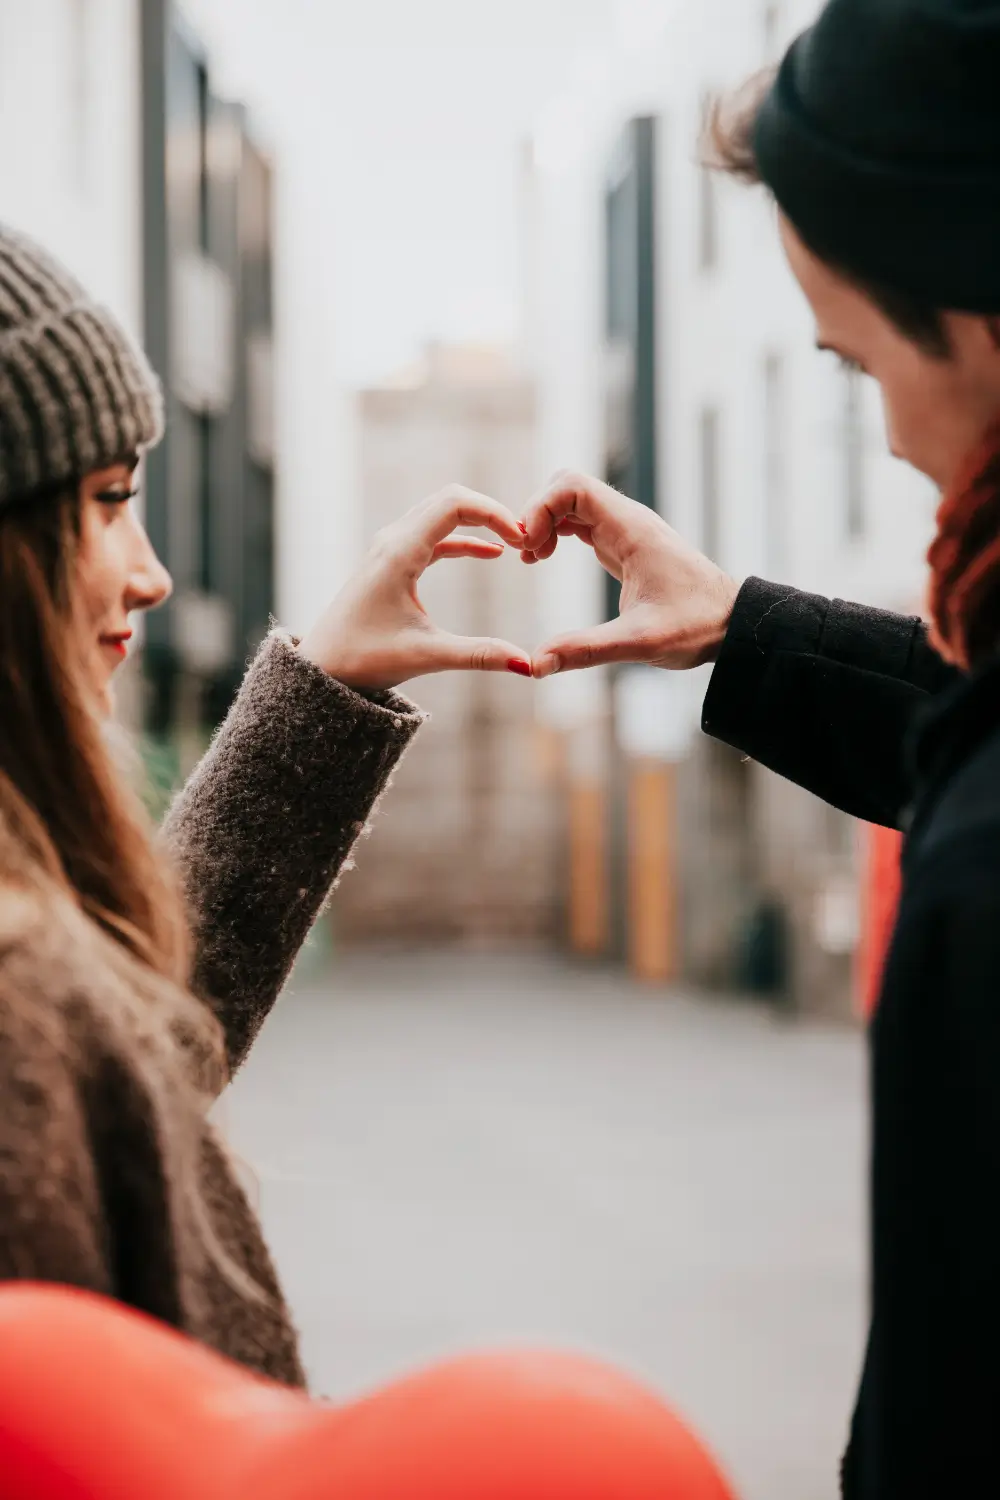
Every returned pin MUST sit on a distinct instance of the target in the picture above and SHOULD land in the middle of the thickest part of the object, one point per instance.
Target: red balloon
(98, 1402)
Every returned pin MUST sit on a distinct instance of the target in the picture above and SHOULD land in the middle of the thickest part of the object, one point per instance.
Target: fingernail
(522, 668)
(522, 528)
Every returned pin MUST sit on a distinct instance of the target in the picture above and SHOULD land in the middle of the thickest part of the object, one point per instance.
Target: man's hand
(675, 604)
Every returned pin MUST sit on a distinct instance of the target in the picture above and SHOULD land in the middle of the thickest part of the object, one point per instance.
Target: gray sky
(397, 124)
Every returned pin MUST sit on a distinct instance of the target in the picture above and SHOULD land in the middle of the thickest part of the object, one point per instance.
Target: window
(708, 220)
(630, 404)
(708, 206)
(710, 484)
(773, 31)
(775, 484)
(854, 454)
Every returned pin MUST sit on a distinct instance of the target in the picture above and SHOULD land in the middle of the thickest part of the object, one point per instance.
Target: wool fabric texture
(880, 139)
(259, 834)
(76, 393)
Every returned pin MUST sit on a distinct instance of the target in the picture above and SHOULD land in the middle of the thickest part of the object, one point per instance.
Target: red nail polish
(522, 528)
(520, 667)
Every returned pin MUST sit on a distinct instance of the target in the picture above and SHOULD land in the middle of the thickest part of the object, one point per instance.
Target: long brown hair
(59, 787)
(75, 839)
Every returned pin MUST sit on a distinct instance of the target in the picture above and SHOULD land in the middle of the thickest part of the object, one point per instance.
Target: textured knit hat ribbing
(76, 393)
(880, 140)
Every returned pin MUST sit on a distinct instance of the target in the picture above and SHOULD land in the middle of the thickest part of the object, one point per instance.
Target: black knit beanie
(880, 140)
(76, 394)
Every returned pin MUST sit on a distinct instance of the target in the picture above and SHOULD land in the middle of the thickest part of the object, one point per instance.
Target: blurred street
(459, 1151)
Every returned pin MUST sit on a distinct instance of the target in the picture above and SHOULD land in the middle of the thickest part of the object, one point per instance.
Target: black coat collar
(946, 736)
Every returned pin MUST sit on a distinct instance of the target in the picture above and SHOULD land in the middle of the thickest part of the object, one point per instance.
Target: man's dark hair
(728, 146)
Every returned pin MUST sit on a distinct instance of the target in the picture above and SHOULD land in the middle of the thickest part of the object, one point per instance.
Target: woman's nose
(149, 582)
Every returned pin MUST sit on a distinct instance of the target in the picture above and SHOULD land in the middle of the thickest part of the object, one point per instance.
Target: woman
(111, 1177)
(880, 140)
(133, 981)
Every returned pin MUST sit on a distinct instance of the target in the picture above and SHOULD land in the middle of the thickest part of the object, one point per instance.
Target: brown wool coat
(260, 831)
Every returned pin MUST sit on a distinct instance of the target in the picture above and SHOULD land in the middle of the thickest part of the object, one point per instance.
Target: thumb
(475, 653)
(623, 639)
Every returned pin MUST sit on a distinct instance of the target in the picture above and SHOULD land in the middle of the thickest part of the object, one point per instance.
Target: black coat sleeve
(824, 693)
(927, 1415)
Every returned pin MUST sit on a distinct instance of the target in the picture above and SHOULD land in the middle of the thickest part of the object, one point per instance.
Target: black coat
(854, 705)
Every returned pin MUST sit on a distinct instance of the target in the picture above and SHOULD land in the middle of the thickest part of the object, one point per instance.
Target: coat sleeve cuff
(770, 618)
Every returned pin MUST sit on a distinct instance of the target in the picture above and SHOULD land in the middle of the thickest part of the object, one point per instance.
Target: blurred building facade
(469, 852)
(675, 356)
(116, 154)
(207, 276)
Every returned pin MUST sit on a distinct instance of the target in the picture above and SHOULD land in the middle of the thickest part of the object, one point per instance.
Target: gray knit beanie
(76, 394)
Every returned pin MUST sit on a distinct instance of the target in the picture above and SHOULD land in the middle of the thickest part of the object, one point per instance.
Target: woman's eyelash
(850, 365)
(116, 497)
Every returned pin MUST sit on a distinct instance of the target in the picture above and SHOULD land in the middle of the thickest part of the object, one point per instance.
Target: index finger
(573, 497)
(456, 506)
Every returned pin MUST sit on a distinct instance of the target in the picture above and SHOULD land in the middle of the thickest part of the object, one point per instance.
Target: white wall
(70, 138)
(716, 326)
(70, 152)
(318, 522)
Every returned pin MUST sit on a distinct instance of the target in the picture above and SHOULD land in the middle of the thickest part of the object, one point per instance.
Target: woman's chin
(104, 669)
(102, 694)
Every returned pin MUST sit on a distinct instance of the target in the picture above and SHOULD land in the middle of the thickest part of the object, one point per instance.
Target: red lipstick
(118, 642)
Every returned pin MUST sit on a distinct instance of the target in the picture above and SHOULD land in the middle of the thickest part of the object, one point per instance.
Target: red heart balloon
(98, 1402)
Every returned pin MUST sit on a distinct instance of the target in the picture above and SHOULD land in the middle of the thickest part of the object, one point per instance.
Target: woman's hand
(377, 634)
(675, 603)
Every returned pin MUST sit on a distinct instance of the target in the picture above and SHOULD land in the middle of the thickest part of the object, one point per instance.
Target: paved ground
(461, 1151)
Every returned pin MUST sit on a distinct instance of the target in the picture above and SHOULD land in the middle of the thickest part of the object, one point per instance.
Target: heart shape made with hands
(99, 1402)
(675, 603)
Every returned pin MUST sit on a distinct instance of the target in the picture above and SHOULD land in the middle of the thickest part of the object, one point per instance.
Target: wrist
(698, 641)
(717, 626)
(343, 666)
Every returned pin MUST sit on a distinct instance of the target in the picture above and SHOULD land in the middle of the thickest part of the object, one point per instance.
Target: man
(879, 138)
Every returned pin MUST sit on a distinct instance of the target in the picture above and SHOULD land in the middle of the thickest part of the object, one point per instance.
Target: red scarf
(964, 594)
